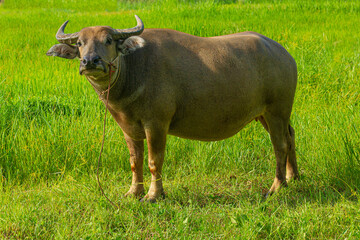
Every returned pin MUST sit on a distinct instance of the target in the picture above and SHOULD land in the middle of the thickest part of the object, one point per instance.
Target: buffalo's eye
(78, 44)
(108, 41)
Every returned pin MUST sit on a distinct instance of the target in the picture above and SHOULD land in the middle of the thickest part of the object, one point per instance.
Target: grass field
(51, 127)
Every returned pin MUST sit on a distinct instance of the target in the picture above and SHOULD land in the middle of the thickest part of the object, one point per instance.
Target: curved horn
(125, 33)
(69, 38)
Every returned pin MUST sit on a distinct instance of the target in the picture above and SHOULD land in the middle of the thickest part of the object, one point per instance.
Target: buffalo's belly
(212, 127)
(211, 134)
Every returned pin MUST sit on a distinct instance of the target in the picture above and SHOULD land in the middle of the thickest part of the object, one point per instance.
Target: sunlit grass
(50, 130)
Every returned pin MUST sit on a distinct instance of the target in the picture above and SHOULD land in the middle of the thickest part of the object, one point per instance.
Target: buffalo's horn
(69, 38)
(125, 33)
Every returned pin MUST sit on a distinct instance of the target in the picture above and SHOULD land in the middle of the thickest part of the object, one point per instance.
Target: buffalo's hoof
(268, 194)
(135, 192)
(152, 199)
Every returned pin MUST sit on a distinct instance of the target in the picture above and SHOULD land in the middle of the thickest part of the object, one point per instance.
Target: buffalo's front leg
(156, 140)
(136, 149)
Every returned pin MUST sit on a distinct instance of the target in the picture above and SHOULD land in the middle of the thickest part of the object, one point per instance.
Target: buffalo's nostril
(96, 60)
(85, 60)
(90, 61)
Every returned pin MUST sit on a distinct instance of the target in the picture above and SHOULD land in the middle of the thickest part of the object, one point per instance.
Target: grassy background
(50, 130)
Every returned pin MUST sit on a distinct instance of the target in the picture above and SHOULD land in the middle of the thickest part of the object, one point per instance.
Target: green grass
(51, 127)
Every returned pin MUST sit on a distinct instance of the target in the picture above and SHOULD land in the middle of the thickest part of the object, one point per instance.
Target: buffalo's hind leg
(291, 164)
(136, 149)
(281, 140)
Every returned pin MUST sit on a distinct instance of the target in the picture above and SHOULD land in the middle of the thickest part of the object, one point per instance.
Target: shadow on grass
(233, 191)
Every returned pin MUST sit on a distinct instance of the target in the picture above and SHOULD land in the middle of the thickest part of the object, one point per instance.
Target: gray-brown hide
(170, 82)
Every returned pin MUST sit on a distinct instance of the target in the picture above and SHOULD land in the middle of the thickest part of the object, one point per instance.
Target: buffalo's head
(96, 46)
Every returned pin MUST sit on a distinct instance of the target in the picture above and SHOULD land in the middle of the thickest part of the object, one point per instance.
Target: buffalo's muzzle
(91, 63)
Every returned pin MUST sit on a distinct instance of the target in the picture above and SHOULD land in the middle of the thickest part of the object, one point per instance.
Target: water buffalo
(169, 82)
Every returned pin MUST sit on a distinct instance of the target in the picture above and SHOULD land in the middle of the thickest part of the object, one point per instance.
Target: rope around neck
(110, 64)
(103, 139)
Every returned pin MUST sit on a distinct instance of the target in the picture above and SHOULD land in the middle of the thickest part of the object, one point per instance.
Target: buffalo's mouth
(93, 69)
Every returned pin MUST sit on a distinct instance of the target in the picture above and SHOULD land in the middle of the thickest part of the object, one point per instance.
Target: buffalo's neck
(130, 83)
(100, 85)
(131, 74)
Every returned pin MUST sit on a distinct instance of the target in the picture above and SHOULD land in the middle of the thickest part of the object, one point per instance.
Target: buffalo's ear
(64, 51)
(130, 44)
